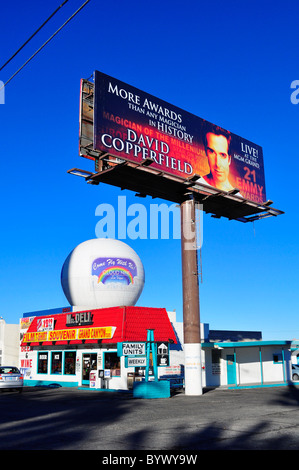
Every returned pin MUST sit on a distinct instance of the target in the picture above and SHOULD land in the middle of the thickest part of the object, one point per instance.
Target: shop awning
(99, 326)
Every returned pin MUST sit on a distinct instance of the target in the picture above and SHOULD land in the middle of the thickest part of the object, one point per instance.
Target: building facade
(247, 363)
(9, 344)
(84, 349)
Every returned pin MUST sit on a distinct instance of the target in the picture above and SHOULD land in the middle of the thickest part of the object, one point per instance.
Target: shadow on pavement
(51, 419)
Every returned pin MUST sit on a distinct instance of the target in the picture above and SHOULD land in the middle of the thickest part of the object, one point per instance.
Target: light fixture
(78, 172)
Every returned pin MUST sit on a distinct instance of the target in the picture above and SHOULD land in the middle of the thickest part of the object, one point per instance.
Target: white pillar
(193, 373)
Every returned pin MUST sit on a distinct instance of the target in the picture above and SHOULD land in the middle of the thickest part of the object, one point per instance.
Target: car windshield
(9, 370)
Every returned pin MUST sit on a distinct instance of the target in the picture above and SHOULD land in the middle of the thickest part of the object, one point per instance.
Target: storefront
(82, 349)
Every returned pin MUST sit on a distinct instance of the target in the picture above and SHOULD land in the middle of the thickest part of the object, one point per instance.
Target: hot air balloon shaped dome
(102, 273)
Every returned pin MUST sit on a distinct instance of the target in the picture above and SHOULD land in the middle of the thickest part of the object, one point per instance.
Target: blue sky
(231, 63)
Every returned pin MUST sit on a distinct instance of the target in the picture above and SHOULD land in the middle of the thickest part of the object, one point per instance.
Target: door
(231, 369)
(89, 362)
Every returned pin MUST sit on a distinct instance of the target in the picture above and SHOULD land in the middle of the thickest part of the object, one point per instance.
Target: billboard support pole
(191, 313)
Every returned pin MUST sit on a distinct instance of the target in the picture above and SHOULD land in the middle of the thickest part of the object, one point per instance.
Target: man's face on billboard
(218, 157)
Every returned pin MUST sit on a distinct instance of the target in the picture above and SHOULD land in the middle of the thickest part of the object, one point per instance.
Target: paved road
(67, 419)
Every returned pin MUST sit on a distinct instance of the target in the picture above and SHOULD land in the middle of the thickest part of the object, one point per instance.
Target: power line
(34, 34)
(53, 35)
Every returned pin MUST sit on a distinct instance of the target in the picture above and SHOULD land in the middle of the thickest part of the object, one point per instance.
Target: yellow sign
(35, 337)
(104, 332)
(95, 333)
(62, 335)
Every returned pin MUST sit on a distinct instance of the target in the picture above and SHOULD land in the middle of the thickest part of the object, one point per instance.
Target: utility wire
(53, 35)
(34, 34)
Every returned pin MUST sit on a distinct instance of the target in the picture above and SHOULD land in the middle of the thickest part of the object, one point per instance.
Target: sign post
(191, 314)
(150, 348)
(151, 388)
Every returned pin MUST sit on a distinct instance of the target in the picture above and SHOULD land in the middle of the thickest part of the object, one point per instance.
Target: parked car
(10, 377)
(295, 372)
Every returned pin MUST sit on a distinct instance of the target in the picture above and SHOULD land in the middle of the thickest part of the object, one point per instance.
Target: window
(70, 363)
(56, 367)
(277, 358)
(42, 363)
(112, 362)
(9, 370)
(61, 363)
(216, 356)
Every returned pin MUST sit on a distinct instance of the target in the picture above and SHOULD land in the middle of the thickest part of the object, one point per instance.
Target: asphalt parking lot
(220, 419)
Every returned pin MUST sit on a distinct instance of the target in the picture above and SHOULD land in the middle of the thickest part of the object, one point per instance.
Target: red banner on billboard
(132, 125)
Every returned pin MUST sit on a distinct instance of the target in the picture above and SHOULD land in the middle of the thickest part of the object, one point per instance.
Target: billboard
(134, 126)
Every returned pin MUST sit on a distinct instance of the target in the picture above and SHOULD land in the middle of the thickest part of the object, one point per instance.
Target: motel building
(103, 349)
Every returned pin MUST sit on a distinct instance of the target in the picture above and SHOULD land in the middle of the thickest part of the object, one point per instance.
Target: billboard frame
(144, 180)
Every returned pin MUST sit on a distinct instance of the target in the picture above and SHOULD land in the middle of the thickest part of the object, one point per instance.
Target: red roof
(130, 323)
